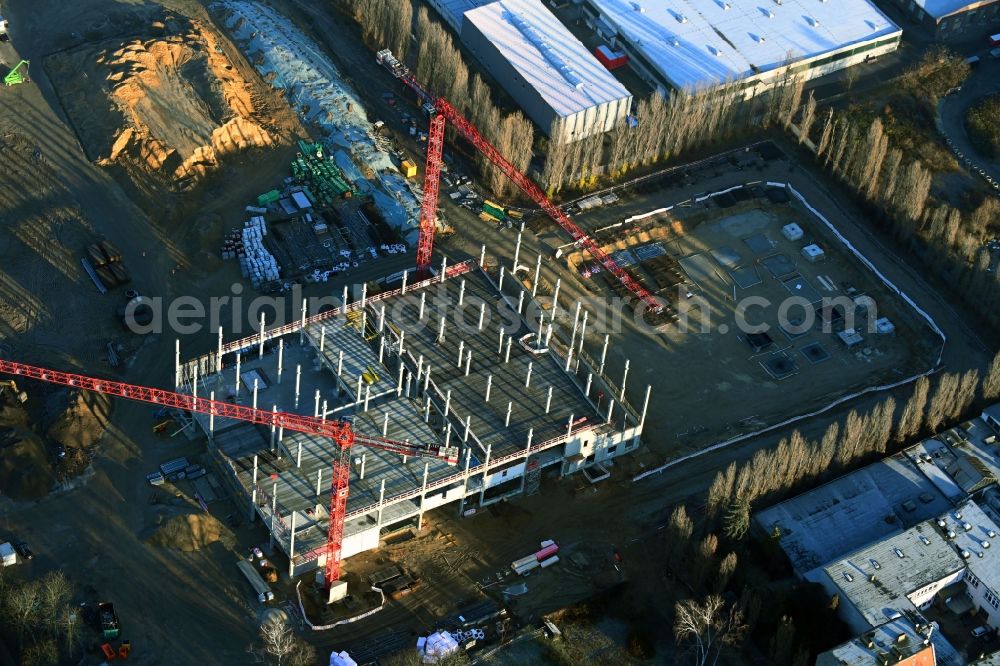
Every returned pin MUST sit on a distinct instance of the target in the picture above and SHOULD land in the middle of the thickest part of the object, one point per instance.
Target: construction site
(480, 412)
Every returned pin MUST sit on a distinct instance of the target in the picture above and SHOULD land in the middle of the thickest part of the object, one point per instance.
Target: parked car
(22, 549)
(980, 631)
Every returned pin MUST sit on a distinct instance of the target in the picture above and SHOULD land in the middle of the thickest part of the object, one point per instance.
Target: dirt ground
(191, 606)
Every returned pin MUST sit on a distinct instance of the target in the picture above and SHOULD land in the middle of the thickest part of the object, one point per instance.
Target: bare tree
(704, 560)
(707, 628)
(968, 386)
(808, 116)
(736, 522)
(721, 491)
(278, 639)
(781, 647)
(991, 382)
(727, 567)
(679, 531)
(940, 407)
(21, 606)
(850, 77)
(912, 418)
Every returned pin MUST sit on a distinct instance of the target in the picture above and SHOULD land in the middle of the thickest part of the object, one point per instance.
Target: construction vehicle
(17, 75)
(11, 386)
(109, 619)
(441, 111)
(340, 431)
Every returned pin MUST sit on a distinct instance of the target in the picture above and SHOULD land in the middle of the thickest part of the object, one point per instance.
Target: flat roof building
(549, 72)
(692, 45)
(852, 511)
(954, 20)
(977, 540)
(903, 642)
(882, 581)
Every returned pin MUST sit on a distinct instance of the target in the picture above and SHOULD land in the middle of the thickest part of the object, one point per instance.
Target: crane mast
(341, 432)
(444, 110)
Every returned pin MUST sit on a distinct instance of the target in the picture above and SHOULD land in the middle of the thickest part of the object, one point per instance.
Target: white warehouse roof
(701, 43)
(549, 58)
(939, 9)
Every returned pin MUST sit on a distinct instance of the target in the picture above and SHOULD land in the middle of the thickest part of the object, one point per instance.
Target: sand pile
(189, 532)
(166, 102)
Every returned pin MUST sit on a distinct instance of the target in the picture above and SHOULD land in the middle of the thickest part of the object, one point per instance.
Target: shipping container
(610, 58)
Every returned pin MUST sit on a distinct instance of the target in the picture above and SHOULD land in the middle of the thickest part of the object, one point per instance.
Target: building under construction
(426, 363)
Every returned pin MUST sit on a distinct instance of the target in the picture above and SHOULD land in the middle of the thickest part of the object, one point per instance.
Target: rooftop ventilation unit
(979, 554)
(958, 515)
(967, 527)
(876, 564)
(898, 552)
(941, 522)
(726, 6)
(966, 554)
(681, 18)
(984, 543)
(849, 577)
(542, 44)
(992, 534)
(714, 51)
(951, 534)
(926, 541)
(814, 22)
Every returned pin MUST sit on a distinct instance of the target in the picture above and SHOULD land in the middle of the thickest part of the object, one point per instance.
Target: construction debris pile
(256, 263)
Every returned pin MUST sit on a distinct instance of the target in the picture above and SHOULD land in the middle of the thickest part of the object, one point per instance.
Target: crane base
(338, 590)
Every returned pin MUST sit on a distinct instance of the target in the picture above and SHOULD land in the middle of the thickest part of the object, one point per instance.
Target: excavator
(17, 75)
(20, 396)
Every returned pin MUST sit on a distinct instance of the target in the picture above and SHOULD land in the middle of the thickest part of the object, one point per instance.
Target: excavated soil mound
(168, 103)
(189, 532)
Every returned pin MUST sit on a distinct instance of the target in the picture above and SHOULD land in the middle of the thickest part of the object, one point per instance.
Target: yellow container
(409, 169)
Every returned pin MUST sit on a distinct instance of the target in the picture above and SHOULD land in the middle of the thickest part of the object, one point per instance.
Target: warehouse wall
(598, 118)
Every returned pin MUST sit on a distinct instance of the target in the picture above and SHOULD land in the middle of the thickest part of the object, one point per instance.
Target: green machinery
(17, 75)
(326, 181)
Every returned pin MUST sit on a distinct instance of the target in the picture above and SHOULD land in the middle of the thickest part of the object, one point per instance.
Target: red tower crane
(339, 431)
(443, 111)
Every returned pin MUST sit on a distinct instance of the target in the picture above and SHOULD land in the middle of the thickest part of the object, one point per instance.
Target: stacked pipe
(257, 264)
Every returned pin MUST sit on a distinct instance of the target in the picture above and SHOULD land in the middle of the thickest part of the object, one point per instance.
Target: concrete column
(409, 382)
(506, 357)
(364, 459)
(399, 380)
(319, 482)
(427, 378)
(261, 352)
(211, 415)
(555, 299)
(420, 367)
(404, 282)
(461, 352)
(611, 409)
(385, 424)
(527, 379)
(177, 362)
(441, 325)
(381, 349)
(576, 322)
(281, 358)
(590, 378)
(364, 296)
(255, 383)
(583, 329)
(531, 435)
(194, 382)
(520, 301)
(624, 379)
(461, 293)
(447, 403)
(253, 494)
(517, 254)
(298, 455)
(238, 357)
(274, 510)
(506, 423)
(468, 362)
(486, 467)
(569, 359)
(291, 550)
(381, 319)
(489, 385)
(423, 302)
(302, 323)
(569, 426)
(447, 434)
(604, 354)
(381, 499)
(500, 347)
(357, 395)
(322, 338)
(482, 315)
(444, 267)
(423, 496)
(482, 256)
(340, 363)
(548, 400)
(427, 409)
(402, 338)
(298, 384)
(368, 395)
(325, 411)
(500, 281)
(538, 270)
(218, 353)
(548, 334)
(645, 405)
(274, 426)
(316, 408)
(468, 428)
(541, 326)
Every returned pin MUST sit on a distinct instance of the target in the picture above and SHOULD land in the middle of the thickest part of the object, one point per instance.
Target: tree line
(40, 617)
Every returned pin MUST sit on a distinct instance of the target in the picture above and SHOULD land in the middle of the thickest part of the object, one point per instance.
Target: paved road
(985, 80)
